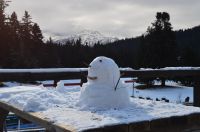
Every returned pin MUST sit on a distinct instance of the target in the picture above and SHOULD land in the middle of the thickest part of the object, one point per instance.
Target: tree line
(22, 46)
(19, 40)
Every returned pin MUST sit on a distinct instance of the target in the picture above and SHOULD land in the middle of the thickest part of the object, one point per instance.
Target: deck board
(187, 123)
(38, 118)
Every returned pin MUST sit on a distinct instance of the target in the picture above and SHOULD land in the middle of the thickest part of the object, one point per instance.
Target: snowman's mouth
(91, 78)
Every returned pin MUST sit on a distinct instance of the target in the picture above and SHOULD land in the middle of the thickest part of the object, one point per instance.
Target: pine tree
(26, 28)
(26, 41)
(14, 23)
(4, 33)
(49, 41)
(3, 5)
(37, 34)
(14, 52)
(159, 44)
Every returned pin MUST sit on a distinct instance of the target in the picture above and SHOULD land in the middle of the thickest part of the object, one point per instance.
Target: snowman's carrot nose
(91, 78)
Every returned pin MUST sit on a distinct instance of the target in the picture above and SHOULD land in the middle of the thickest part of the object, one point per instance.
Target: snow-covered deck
(59, 112)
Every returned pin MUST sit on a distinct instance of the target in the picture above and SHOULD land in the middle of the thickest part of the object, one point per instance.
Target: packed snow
(104, 89)
(61, 107)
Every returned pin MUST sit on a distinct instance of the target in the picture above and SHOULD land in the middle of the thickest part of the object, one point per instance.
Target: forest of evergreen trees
(22, 46)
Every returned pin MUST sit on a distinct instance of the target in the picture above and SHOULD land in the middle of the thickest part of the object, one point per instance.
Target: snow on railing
(173, 68)
(53, 70)
(79, 73)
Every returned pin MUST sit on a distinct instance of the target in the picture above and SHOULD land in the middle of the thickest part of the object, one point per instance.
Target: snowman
(104, 89)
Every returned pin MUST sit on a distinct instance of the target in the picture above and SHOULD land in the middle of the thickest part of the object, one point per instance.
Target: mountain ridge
(87, 37)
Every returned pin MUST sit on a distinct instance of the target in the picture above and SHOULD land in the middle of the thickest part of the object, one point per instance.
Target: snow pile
(60, 87)
(139, 110)
(34, 99)
(62, 108)
(104, 89)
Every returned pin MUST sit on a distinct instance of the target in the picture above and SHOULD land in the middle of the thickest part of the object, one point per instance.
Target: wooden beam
(161, 73)
(37, 118)
(196, 92)
(77, 73)
(28, 76)
(3, 115)
(73, 73)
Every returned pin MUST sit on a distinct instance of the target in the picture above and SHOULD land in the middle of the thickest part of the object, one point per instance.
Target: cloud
(121, 18)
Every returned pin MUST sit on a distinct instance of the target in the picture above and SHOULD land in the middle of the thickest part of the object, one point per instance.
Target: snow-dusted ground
(62, 107)
(174, 94)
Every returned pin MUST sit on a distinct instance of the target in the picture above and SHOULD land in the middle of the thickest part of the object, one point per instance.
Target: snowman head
(103, 70)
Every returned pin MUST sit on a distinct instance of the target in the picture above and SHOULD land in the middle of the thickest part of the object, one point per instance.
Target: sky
(119, 18)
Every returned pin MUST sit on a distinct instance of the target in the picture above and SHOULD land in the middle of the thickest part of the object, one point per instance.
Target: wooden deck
(33, 117)
(187, 123)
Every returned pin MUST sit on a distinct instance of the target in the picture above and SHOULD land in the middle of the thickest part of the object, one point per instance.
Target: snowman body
(104, 90)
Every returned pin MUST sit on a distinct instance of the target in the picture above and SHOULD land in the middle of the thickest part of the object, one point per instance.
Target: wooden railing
(77, 73)
(81, 73)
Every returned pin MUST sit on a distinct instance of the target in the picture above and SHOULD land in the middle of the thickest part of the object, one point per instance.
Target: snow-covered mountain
(88, 37)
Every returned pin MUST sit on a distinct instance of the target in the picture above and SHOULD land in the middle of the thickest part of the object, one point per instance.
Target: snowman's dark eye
(100, 60)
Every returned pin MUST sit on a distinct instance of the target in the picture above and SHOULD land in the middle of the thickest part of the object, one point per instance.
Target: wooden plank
(40, 76)
(38, 118)
(161, 73)
(174, 123)
(196, 92)
(110, 128)
(52, 75)
(3, 114)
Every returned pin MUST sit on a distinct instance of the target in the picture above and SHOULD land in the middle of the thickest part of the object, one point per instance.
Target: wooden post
(83, 79)
(3, 115)
(55, 83)
(196, 93)
(162, 82)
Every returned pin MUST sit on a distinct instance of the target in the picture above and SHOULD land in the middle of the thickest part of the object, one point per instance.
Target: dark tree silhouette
(158, 48)
(22, 46)
(37, 34)
(4, 34)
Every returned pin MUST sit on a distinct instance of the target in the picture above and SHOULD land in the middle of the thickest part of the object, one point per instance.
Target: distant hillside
(189, 38)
